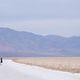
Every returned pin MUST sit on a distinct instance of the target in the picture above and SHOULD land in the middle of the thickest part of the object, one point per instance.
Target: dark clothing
(1, 60)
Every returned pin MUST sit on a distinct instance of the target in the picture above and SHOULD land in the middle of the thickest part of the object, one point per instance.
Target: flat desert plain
(68, 64)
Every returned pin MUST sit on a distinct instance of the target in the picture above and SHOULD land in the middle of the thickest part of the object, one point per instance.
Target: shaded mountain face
(15, 43)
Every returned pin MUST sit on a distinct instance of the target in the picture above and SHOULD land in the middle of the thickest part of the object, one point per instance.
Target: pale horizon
(44, 17)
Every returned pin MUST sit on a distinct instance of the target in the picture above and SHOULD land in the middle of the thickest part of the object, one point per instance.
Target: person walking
(1, 60)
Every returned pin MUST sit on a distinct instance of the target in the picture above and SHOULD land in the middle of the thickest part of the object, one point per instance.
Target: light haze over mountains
(59, 17)
(30, 27)
(17, 43)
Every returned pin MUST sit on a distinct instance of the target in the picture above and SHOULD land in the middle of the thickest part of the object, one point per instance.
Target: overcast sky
(60, 17)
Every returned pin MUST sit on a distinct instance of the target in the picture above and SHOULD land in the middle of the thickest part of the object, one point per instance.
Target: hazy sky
(60, 17)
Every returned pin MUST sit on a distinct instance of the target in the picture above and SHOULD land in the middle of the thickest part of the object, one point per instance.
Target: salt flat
(10, 70)
(67, 64)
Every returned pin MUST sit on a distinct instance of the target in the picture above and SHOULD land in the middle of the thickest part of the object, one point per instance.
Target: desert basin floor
(10, 70)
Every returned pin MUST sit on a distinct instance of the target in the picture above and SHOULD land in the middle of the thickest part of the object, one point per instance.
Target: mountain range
(22, 44)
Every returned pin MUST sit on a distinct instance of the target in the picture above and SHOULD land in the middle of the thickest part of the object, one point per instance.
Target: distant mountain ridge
(20, 43)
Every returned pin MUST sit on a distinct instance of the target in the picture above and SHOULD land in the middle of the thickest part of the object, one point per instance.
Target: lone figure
(1, 60)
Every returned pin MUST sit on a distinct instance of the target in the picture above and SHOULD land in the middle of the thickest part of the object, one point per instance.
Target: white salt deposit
(10, 70)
